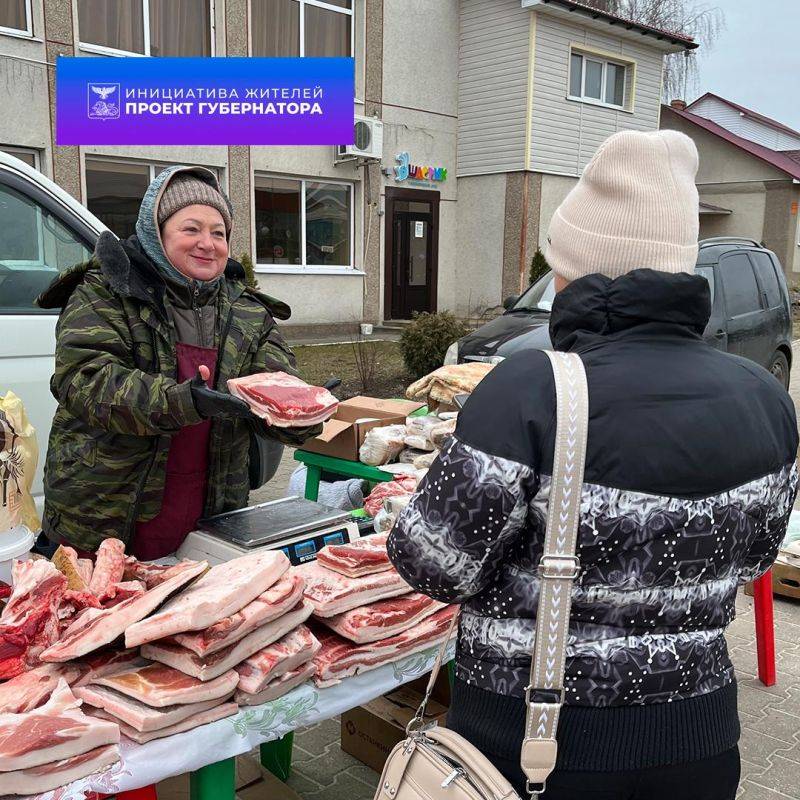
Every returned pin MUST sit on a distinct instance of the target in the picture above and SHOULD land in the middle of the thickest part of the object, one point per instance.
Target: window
(114, 191)
(146, 27)
(303, 223)
(596, 80)
(708, 274)
(30, 157)
(741, 289)
(34, 247)
(302, 27)
(15, 17)
(765, 268)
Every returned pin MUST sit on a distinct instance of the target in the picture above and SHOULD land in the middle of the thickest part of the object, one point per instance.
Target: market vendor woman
(146, 439)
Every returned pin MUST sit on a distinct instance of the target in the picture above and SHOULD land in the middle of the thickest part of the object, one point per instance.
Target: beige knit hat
(635, 206)
(185, 189)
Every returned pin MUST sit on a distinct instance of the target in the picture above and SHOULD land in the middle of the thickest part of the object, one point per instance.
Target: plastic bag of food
(382, 445)
(19, 454)
(440, 433)
(424, 460)
(419, 443)
(421, 426)
(383, 521)
(402, 484)
(408, 455)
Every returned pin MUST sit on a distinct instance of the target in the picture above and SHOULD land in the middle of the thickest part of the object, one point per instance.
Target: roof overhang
(601, 20)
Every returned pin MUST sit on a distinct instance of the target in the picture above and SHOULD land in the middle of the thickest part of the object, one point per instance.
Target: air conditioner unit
(367, 141)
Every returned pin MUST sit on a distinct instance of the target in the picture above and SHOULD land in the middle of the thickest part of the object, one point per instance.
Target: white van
(42, 231)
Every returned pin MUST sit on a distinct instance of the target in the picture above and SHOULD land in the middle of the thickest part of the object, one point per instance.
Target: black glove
(210, 403)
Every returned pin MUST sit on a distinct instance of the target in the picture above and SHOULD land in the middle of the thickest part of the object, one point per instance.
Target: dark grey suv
(750, 310)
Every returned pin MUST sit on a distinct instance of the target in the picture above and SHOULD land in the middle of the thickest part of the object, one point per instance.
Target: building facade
(488, 110)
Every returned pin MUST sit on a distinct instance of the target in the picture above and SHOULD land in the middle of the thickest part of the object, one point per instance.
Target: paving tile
(316, 739)
(776, 724)
(758, 749)
(324, 768)
(753, 791)
(365, 774)
(343, 787)
(782, 776)
(302, 785)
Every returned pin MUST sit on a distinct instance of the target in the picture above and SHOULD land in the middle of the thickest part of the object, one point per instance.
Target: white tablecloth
(142, 765)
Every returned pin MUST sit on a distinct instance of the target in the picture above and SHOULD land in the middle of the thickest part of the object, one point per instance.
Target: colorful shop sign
(409, 171)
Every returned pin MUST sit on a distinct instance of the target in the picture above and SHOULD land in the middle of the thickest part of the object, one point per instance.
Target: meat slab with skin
(37, 780)
(332, 593)
(54, 731)
(361, 557)
(153, 574)
(225, 589)
(199, 718)
(287, 654)
(284, 400)
(384, 618)
(206, 669)
(340, 658)
(159, 686)
(29, 690)
(107, 662)
(95, 628)
(278, 687)
(276, 601)
(138, 715)
(109, 565)
(29, 623)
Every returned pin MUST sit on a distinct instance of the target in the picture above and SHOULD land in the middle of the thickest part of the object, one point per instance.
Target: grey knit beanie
(186, 189)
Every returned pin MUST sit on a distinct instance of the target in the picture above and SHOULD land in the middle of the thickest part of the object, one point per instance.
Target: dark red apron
(187, 472)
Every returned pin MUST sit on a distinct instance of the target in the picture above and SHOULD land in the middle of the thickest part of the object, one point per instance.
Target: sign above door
(415, 174)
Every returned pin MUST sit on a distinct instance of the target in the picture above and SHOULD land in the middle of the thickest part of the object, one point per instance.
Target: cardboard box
(370, 732)
(342, 434)
(785, 581)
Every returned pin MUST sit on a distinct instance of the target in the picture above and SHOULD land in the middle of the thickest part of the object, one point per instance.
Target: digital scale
(299, 527)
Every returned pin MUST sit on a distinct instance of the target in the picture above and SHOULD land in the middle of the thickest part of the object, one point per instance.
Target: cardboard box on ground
(253, 782)
(343, 433)
(369, 732)
(785, 581)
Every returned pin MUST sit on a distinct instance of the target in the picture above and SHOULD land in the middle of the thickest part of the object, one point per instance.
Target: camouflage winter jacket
(118, 400)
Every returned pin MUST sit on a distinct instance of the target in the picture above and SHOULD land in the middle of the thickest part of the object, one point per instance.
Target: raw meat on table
(56, 730)
(36, 780)
(206, 669)
(402, 484)
(29, 622)
(277, 600)
(340, 658)
(284, 400)
(29, 690)
(107, 662)
(5, 590)
(159, 686)
(383, 619)
(278, 687)
(86, 569)
(225, 589)
(287, 654)
(360, 557)
(200, 718)
(153, 574)
(118, 592)
(332, 593)
(138, 715)
(109, 566)
(65, 560)
(97, 627)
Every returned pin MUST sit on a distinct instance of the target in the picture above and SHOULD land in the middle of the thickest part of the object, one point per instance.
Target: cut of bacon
(284, 400)
(360, 557)
(278, 687)
(340, 659)
(109, 566)
(30, 689)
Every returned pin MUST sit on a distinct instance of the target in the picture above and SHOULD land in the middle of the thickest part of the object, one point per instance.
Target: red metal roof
(748, 113)
(677, 38)
(790, 164)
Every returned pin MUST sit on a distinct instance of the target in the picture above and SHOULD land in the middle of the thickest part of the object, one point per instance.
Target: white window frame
(27, 31)
(102, 50)
(319, 4)
(14, 150)
(306, 269)
(604, 60)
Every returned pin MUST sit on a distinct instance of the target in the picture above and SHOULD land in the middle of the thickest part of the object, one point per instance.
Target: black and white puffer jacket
(690, 477)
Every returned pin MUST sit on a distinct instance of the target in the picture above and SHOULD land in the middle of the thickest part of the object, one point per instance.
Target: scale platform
(299, 527)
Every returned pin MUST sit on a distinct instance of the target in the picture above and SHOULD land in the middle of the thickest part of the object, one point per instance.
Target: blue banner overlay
(279, 101)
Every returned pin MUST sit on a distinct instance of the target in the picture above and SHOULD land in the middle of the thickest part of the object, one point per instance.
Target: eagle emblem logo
(103, 101)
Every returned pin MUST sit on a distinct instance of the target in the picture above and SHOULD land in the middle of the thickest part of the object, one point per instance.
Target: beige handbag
(434, 763)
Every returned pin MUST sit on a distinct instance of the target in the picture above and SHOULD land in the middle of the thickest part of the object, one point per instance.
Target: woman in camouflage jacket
(140, 446)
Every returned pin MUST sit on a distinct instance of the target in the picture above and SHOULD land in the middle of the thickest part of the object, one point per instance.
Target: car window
(768, 277)
(34, 247)
(538, 297)
(708, 274)
(741, 289)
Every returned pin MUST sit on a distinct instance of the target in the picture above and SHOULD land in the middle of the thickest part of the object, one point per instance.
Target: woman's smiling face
(195, 243)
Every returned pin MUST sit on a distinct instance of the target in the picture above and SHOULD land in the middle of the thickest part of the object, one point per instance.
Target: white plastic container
(15, 544)
(366, 329)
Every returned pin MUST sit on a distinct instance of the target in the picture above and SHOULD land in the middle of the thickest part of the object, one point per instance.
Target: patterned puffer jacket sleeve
(462, 522)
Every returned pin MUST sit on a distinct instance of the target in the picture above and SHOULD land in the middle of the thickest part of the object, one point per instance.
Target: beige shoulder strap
(558, 569)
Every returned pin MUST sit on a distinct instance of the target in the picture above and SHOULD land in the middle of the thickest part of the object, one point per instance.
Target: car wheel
(779, 367)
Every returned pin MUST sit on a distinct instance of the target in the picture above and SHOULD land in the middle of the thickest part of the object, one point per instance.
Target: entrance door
(411, 253)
